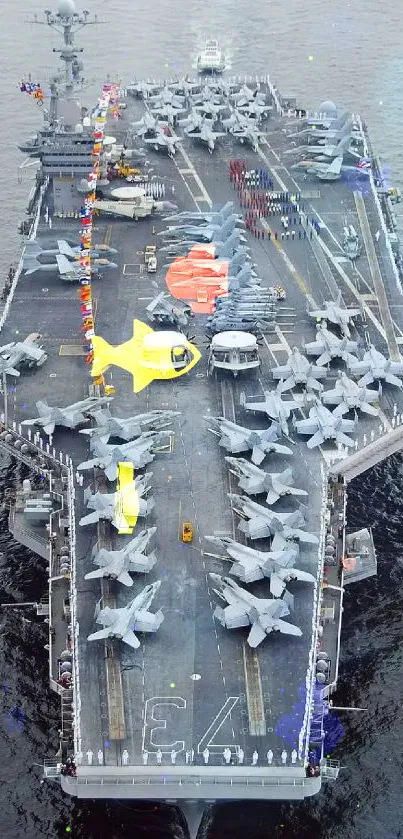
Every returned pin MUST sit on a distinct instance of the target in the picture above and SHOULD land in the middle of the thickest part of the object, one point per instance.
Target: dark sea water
(351, 52)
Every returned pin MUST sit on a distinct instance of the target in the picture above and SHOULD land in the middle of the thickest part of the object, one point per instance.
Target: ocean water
(351, 52)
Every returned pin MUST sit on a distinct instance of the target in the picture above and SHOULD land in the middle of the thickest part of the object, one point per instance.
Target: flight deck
(156, 722)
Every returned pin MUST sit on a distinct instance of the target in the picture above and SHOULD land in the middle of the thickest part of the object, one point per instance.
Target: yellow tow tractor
(187, 531)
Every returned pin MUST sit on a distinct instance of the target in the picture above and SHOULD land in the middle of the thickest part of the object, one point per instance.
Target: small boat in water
(211, 60)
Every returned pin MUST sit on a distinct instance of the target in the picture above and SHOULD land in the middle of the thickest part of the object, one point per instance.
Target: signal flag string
(108, 101)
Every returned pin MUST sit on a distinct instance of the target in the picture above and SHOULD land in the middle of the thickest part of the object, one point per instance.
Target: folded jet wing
(375, 367)
(299, 371)
(244, 609)
(323, 425)
(130, 427)
(348, 395)
(70, 417)
(115, 565)
(237, 439)
(255, 481)
(122, 624)
(328, 346)
(336, 314)
(274, 406)
(139, 452)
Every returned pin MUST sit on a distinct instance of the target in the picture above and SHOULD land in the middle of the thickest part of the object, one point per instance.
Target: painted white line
(199, 182)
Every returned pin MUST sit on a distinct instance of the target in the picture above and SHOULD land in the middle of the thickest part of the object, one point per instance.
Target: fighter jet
(343, 123)
(200, 233)
(328, 346)
(244, 609)
(139, 452)
(143, 89)
(348, 395)
(298, 371)
(274, 406)
(109, 505)
(376, 367)
(167, 113)
(246, 95)
(250, 565)
(166, 96)
(323, 425)
(135, 617)
(25, 353)
(209, 217)
(33, 248)
(115, 565)
(148, 124)
(194, 120)
(70, 417)
(255, 481)
(335, 313)
(237, 439)
(324, 153)
(163, 141)
(205, 134)
(167, 311)
(264, 523)
(67, 270)
(129, 428)
(323, 171)
(332, 171)
(215, 250)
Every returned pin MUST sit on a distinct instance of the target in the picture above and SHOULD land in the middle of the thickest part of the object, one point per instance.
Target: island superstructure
(196, 579)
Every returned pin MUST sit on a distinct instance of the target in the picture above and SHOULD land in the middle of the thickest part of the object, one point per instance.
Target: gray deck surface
(164, 705)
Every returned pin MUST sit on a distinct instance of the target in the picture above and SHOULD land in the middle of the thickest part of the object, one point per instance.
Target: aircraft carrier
(195, 712)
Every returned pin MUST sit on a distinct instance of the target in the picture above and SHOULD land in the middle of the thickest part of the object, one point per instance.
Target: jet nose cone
(155, 586)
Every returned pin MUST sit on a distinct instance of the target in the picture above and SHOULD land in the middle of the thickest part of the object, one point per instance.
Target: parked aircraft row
(204, 121)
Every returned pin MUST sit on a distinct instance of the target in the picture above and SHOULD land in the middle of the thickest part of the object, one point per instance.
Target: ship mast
(66, 21)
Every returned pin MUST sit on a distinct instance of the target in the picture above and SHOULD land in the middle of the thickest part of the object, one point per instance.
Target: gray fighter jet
(148, 124)
(376, 367)
(167, 113)
(259, 522)
(135, 617)
(323, 425)
(115, 565)
(70, 271)
(201, 233)
(205, 134)
(337, 314)
(27, 353)
(246, 95)
(255, 481)
(166, 96)
(274, 406)
(298, 371)
(139, 452)
(168, 312)
(348, 395)
(33, 248)
(70, 417)
(323, 171)
(323, 153)
(209, 217)
(250, 565)
(237, 439)
(244, 609)
(328, 346)
(129, 428)
(161, 141)
(343, 123)
(192, 121)
(222, 249)
(109, 505)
